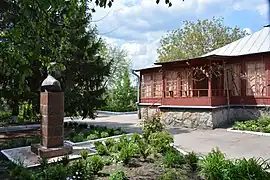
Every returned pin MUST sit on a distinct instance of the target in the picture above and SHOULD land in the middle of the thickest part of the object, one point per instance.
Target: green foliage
(197, 38)
(143, 147)
(126, 148)
(110, 143)
(122, 97)
(262, 124)
(4, 115)
(192, 160)
(104, 134)
(95, 163)
(102, 149)
(119, 175)
(20, 173)
(84, 154)
(56, 172)
(65, 160)
(161, 141)
(213, 165)
(92, 136)
(173, 158)
(152, 125)
(172, 174)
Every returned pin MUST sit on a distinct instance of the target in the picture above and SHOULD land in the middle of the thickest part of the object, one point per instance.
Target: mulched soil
(146, 170)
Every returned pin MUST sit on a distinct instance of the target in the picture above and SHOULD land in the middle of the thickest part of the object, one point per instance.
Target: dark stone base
(51, 152)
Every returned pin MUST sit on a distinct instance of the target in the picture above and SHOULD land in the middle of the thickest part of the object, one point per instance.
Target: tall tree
(197, 38)
(40, 32)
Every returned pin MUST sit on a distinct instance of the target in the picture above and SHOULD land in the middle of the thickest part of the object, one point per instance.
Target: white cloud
(262, 9)
(248, 30)
(138, 25)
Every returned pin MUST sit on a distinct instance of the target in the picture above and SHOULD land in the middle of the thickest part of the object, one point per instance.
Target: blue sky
(137, 25)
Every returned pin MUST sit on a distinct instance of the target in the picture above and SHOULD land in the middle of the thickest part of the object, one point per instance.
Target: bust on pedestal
(52, 121)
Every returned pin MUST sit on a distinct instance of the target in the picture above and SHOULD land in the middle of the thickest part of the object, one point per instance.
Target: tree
(35, 33)
(197, 38)
(123, 96)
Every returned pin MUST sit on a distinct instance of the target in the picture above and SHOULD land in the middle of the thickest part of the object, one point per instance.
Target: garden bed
(261, 125)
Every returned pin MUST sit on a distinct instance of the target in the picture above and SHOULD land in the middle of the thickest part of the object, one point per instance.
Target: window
(157, 84)
(256, 81)
(185, 83)
(147, 85)
(233, 72)
(171, 83)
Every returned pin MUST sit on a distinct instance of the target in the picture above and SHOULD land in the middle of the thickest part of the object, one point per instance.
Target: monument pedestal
(52, 126)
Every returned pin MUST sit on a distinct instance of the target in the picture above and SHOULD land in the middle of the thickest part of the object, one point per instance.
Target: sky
(138, 25)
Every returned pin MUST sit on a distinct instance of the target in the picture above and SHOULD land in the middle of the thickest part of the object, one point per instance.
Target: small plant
(102, 150)
(65, 160)
(152, 125)
(214, 165)
(192, 160)
(110, 143)
(108, 160)
(84, 154)
(19, 172)
(160, 141)
(95, 163)
(78, 138)
(172, 174)
(119, 175)
(92, 136)
(56, 172)
(127, 152)
(173, 158)
(104, 134)
(43, 162)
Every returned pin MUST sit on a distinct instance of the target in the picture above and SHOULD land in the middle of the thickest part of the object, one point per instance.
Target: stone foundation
(205, 118)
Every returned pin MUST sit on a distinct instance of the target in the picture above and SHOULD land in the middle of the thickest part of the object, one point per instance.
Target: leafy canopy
(197, 38)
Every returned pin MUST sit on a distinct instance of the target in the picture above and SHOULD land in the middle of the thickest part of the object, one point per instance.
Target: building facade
(214, 90)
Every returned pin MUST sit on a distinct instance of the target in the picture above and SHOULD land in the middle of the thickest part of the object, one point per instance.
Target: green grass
(262, 124)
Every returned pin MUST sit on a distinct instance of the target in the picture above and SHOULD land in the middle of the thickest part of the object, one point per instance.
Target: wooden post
(163, 84)
(220, 85)
(209, 82)
(243, 81)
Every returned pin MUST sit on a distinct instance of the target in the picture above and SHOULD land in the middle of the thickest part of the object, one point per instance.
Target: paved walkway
(234, 145)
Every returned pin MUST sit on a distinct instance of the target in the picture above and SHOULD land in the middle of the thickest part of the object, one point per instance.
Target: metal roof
(257, 42)
(149, 67)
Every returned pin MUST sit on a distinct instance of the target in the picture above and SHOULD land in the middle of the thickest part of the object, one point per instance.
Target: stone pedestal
(52, 126)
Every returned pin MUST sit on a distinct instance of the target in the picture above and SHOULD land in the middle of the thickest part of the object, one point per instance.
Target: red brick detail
(51, 142)
(51, 131)
(52, 120)
(51, 152)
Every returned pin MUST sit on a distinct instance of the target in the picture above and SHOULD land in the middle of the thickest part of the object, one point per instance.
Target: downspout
(138, 93)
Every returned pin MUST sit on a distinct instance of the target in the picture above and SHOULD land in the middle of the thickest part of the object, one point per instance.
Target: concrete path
(234, 145)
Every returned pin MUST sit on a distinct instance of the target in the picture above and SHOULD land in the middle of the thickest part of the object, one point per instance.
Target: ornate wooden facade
(208, 81)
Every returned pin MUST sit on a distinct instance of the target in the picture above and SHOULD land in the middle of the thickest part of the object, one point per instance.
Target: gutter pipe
(138, 92)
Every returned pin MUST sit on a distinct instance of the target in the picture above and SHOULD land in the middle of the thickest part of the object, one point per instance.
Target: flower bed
(82, 132)
(260, 125)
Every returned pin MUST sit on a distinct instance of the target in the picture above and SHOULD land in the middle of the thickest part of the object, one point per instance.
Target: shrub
(84, 154)
(173, 158)
(118, 131)
(102, 150)
(104, 134)
(4, 115)
(247, 169)
(78, 138)
(78, 170)
(144, 148)
(20, 173)
(110, 143)
(135, 138)
(213, 165)
(160, 141)
(127, 152)
(95, 163)
(119, 175)
(192, 160)
(56, 172)
(152, 125)
(92, 136)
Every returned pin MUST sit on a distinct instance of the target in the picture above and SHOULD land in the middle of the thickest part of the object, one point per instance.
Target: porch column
(220, 86)
(209, 86)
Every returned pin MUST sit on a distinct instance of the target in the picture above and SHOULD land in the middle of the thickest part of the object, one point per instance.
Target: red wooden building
(230, 83)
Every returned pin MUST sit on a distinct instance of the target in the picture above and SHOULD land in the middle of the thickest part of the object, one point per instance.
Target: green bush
(102, 150)
(20, 173)
(110, 143)
(127, 152)
(79, 170)
(152, 125)
(173, 158)
(266, 129)
(161, 141)
(5, 115)
(56, 172)
(78, 138)
(144, 148)
(104, 134)
(247, 169)
(84, 154)
(192, 160)
(119, 175)
(214, 165)
(92, 136)
(95, 163)
(262, 124)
